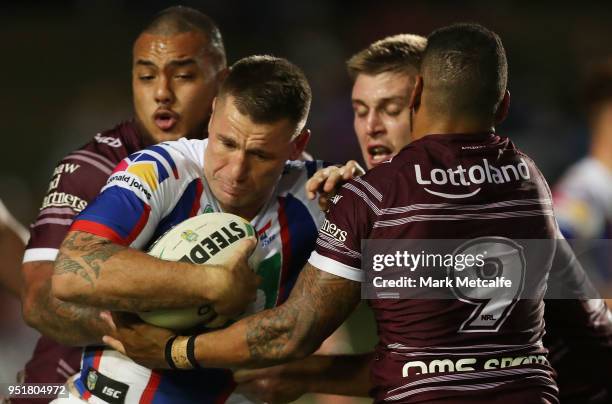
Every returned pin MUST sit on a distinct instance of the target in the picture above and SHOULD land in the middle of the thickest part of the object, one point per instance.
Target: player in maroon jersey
(457, 177)
(178, 64)
(574, 328)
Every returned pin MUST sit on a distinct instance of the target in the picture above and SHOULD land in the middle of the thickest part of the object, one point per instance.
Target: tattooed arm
(94, 271)
(67, 323)
(318, 304)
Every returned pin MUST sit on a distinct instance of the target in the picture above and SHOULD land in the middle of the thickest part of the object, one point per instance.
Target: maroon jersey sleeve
(347, 222)
(76, 180)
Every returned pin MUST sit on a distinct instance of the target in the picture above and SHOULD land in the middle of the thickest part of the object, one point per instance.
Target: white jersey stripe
(471, 387)
(57, 211)
(454, 348)
(335, 267)
(465, 216)
(103, 159)
(460, 354)
(40, 254)
(338, 250)
(423, 206)
(91, 161)
(363, 196)
(337, 243)
(464, 376)
(370, 188)
(53, 220)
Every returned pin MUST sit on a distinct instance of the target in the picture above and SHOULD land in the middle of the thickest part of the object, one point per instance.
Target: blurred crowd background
(66, 69)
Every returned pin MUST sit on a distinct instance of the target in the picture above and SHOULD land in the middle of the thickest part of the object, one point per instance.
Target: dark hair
(179, 19)
(400, 53)
(465, 68)
(598, 87)
(268, 89)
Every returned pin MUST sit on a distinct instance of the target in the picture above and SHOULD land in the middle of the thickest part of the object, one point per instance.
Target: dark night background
(66, 75)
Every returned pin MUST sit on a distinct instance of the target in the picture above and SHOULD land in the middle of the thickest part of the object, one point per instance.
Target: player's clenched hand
(235, 283)
(269, 385)
(327, 181)
(143, 343)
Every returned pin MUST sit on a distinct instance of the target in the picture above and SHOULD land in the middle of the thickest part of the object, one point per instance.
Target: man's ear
(415, 97)
(502, 110)
(298, 145)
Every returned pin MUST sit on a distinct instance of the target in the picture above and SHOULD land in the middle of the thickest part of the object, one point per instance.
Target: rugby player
(583, 196)
(459, 97)
(257, 124)
(574, 329)
(583, 207)
(383, 75)
(177, 65)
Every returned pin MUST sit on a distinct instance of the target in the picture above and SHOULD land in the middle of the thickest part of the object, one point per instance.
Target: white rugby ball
(210, 238)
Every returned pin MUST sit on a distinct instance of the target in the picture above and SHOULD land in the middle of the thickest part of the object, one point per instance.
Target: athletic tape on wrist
(191, 352)
(179, 353)
(168, 352)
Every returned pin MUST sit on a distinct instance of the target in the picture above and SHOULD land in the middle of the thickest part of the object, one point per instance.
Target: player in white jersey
(241, 169)
(583, 200)
(583, 207)
(583, 196)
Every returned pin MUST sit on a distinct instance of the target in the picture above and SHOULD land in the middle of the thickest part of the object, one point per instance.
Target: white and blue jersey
(583, 207)
(148, 193)
(583, 201)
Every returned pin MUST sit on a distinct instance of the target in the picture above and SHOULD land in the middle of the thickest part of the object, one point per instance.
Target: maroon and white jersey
(76, 181)
(463, 186)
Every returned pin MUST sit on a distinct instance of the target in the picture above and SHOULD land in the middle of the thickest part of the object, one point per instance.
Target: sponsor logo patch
(476, 174)
(131, 182)
(335, 199)
(333, 231)
(189, 235)
(62, 199)
(214, 243)
(111, 141)
(105, 388)
(92, 379)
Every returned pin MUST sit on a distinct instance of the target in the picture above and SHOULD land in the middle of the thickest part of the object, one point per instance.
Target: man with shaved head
(178, 64)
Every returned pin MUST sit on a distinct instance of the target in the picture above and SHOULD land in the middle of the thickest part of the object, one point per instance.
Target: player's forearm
(93, 271)
(346, 375)
(67, 323)
(318, 304)
(264, 339)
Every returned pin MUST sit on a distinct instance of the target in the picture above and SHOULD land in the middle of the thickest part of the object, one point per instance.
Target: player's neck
(245, 213)
(429, 124)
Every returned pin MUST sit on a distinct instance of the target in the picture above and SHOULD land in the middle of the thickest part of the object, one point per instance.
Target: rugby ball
(210, 238)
